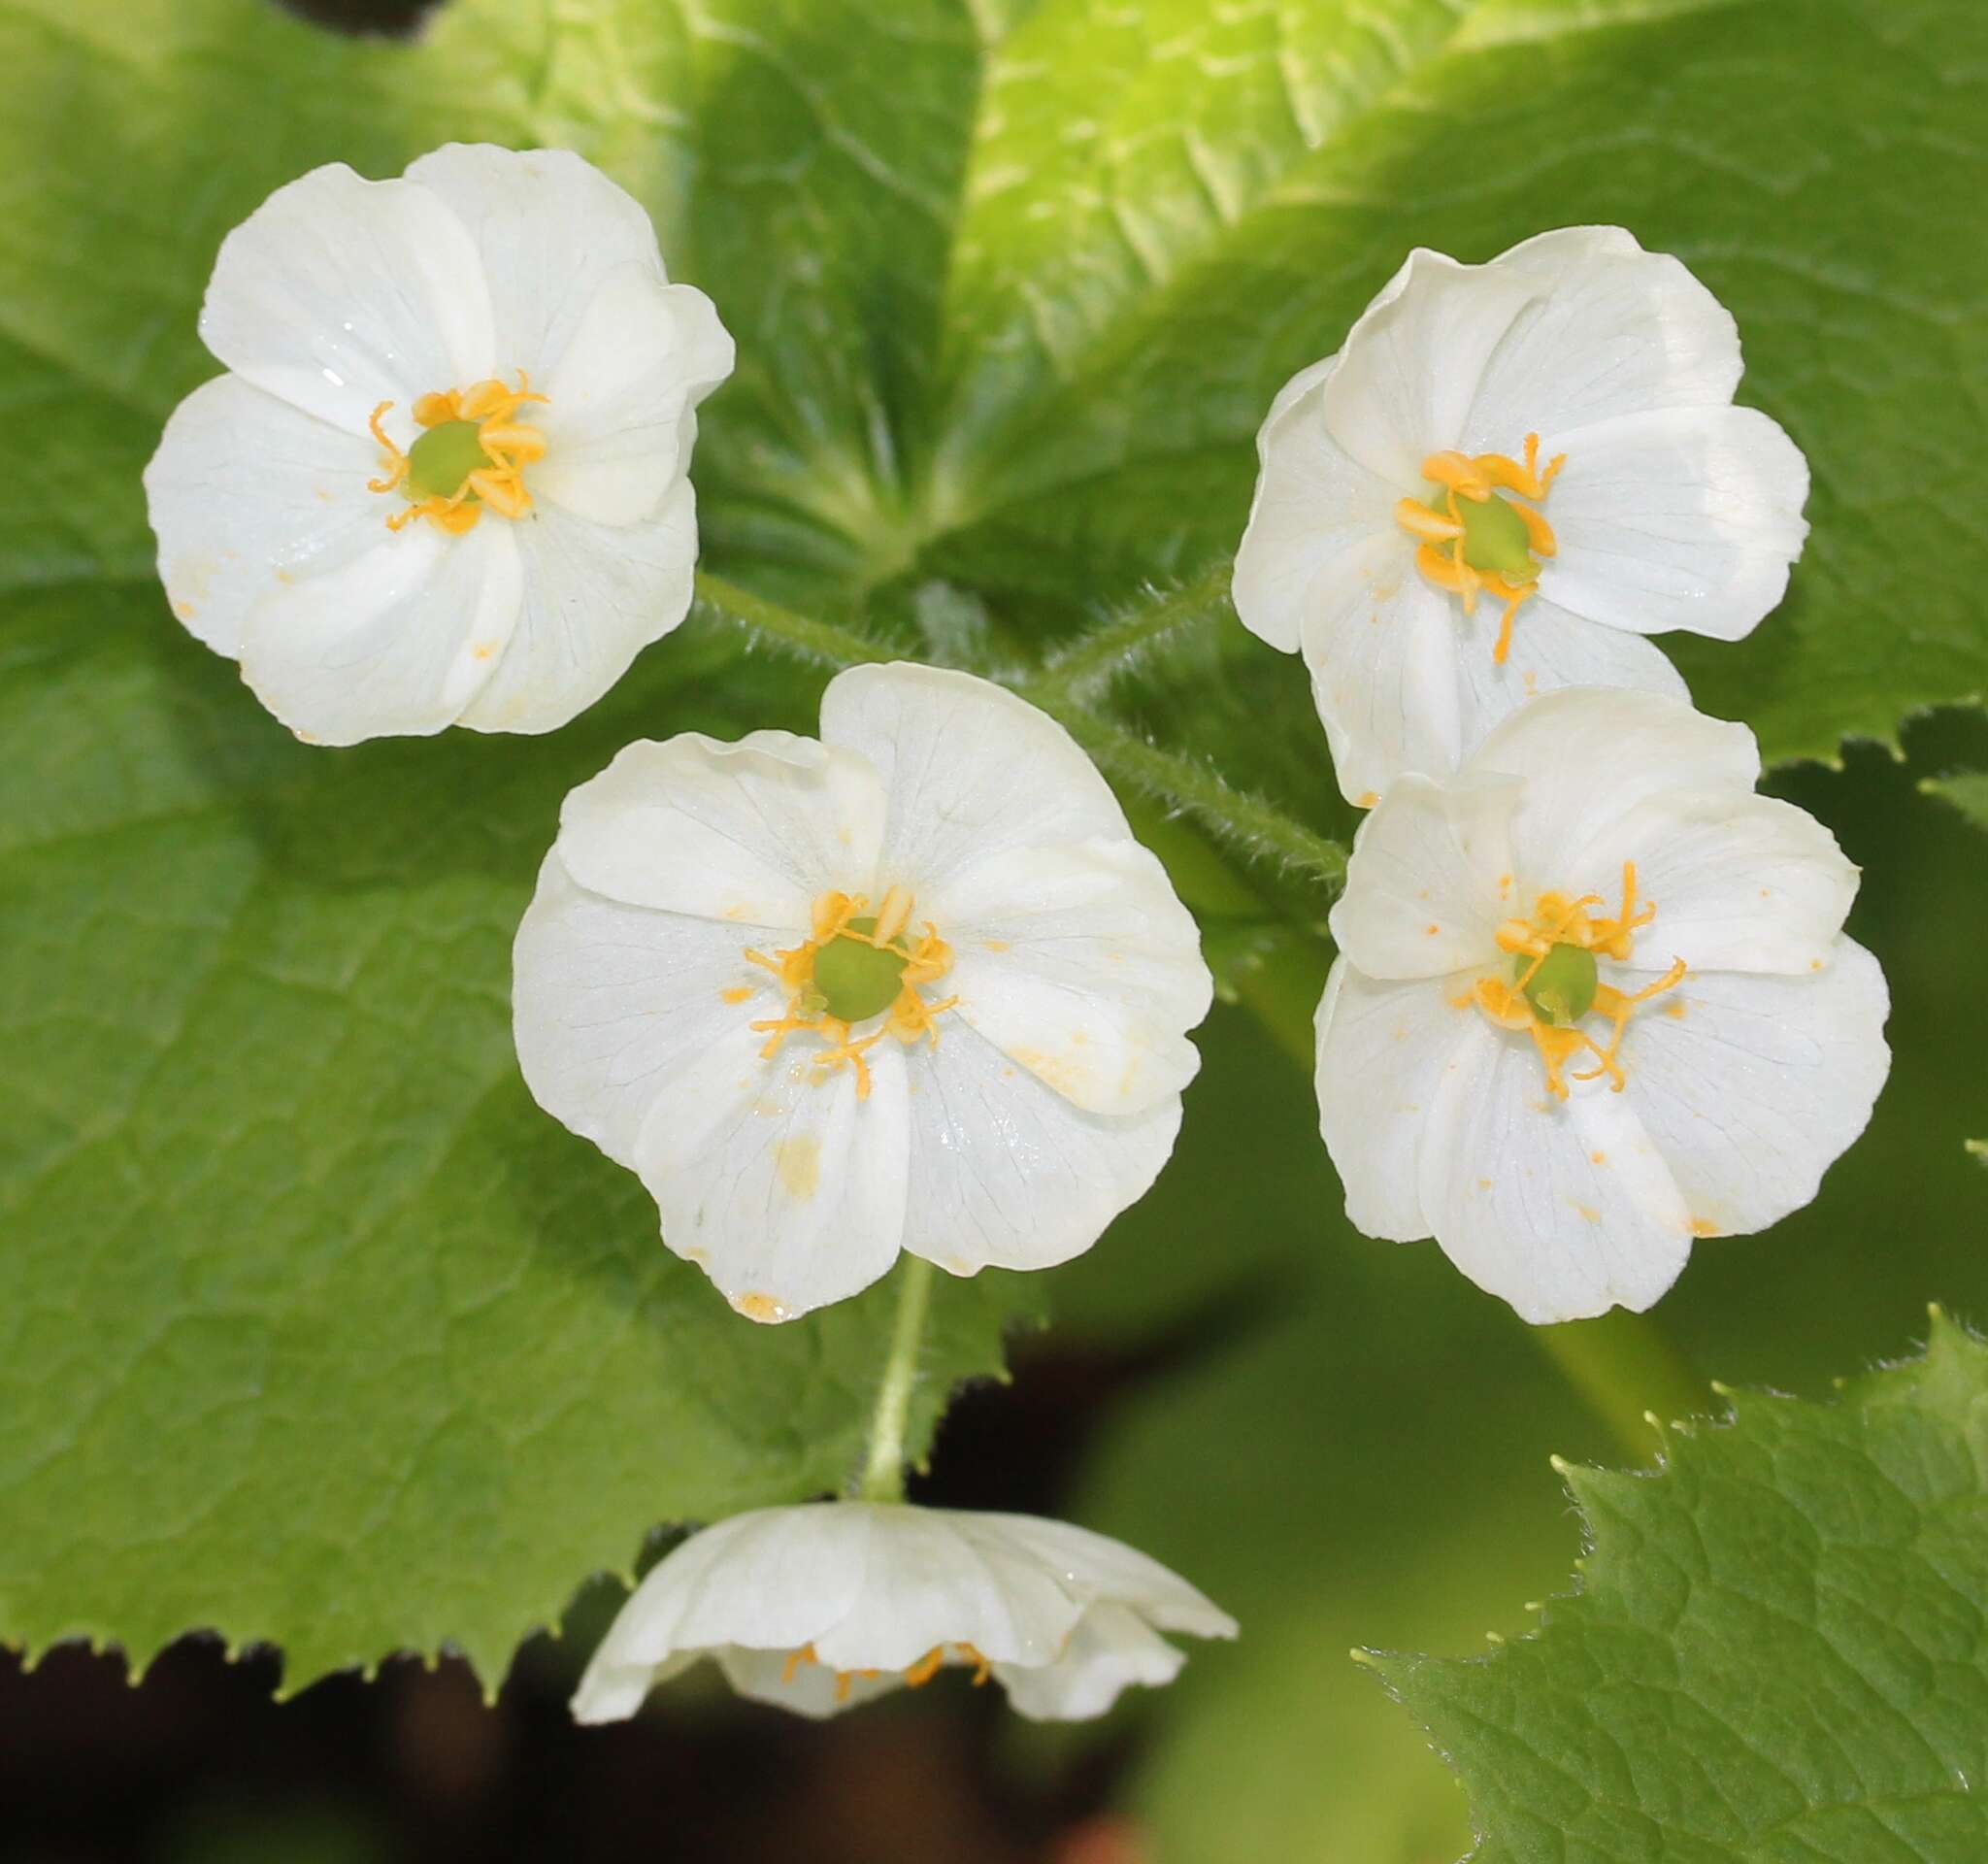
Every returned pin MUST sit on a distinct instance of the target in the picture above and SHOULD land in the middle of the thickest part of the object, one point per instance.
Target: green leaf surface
(1779, 1648)
(1967, 790)
(311, 1327)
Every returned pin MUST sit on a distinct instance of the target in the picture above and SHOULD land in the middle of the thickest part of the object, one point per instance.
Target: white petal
(1550, 649)
(609, 1001)
(1590, 756)
(1430, 878)
(751, 833)
(1109, 1648)
(247, 493)
(1686, 520)
(395, 642)
(1615, 331)
(1080, 964)
(616, 414)
(942, 1577)
(1383, 1050)
(1564, 1209)
(1760, 1084)
(810, 1689)
(771, 1580)
(776, 1180)
(1094, 1568)
(1005, 1172)
(1313, 504)
(338, 293)
(1409, 369)
(1382, 645)
(969, 769)
(549, 227)
(1740, 882)
(594, 597)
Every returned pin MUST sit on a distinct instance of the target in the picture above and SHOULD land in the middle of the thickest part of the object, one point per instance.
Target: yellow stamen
(1558, 920)
(508, 444)
(909, 1018)
(1442, 527)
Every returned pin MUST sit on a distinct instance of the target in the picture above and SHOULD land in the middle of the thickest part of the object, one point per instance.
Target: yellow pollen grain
(1598, 1158)
(995, 945)
(1368, 798)
(762, 1308)
(738, 993)
(1588, 1212)
(1704, 1226)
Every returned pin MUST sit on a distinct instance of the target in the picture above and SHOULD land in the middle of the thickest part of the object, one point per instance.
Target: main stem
(883, 1471)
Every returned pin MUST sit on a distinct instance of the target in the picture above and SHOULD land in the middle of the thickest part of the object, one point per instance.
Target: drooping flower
(1593, 1001)
(824, 1606)
(914, 985)
(1508, 476)
(444, 479)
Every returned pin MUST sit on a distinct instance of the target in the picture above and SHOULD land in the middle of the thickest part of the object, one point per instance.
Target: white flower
(914, 985)
(1593, 1001)
(443, 482)
(824, 1606)
(1508, 476)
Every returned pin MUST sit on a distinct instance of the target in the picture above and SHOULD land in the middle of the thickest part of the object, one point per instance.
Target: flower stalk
(883, 1468)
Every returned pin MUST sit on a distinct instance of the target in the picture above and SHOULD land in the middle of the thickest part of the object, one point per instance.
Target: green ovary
(444, 457)
(856, 980)
(1495, 536)
(1562, 990)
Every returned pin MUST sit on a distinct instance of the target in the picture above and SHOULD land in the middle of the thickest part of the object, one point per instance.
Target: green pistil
(1562, 990)
(1495, 536)
(854, 978)
(444, 457)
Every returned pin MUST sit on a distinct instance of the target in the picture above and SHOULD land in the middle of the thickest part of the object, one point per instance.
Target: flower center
(469, 457)
(916, 1676)
(1556, 984)
(855, 965)
(1473, 536)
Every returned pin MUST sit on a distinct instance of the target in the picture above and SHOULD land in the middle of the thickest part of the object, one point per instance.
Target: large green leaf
(1779, 1651)
(314, 1329)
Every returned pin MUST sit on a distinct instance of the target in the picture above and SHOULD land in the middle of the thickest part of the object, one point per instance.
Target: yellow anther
(812, 1001)
(1473, 541)
(1558, 920)
(493, 475)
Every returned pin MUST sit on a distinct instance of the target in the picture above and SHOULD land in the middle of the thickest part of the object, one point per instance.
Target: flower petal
(1095, 1569)
(338, 293)
(1430, 878)
(1410, 367)
(1382, 645)
(247, 493)
(593, 599)
(937, 1576)
(395, 642)
(1005, 1172)
(1109, 1648)
(609, 1001)
(1760, 1084)
(617, 418)
(971, 770)
(1564, 1209)
(1614, 330)
(1080, 964)
(1383, 1050)
(1550, 649)
(771, 1580)
(751, 833)
(1591, 756)
(1685, 519)
(1313, 505)
(811, 1689)
(776, 1181)
(1740, 882)
(549, 227)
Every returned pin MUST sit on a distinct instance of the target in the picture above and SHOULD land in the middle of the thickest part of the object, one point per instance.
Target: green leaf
(1779, 1650)
(1967, 790)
